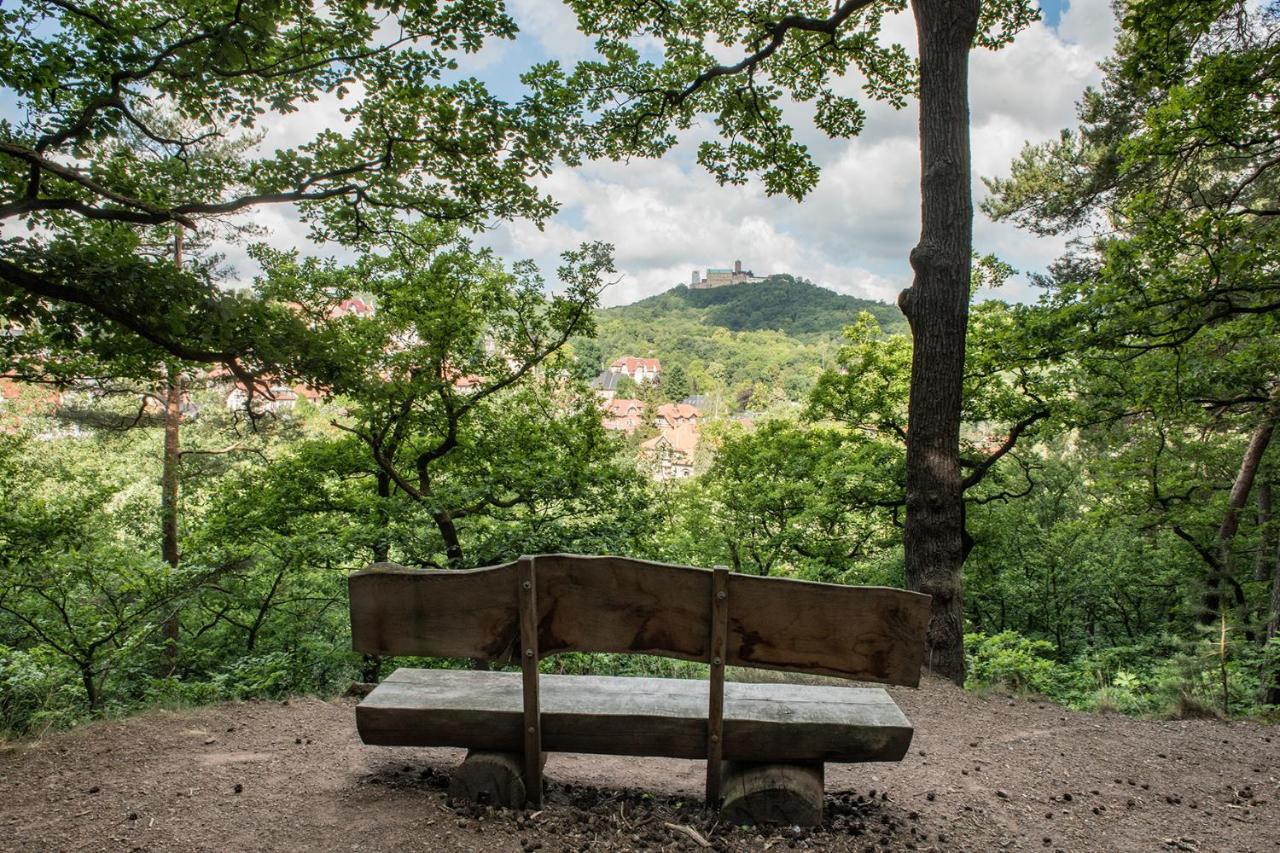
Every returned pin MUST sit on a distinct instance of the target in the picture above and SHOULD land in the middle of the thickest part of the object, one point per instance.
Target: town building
(270, 396)
(671, 453)
(624, 415)
(639, 369)
(606, 386)
(716, 277)
(672, 415)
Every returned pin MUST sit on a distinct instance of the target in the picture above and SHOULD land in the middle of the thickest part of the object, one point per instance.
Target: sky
(668, 217)
(854, 232)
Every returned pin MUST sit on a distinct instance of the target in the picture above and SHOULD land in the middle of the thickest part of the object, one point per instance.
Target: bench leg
(491, 778)
(789, 794)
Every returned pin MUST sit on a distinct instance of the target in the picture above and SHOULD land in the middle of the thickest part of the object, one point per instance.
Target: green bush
(1013, 662)
(38, 692)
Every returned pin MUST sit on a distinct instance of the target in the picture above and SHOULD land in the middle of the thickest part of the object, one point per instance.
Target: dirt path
(983, 774)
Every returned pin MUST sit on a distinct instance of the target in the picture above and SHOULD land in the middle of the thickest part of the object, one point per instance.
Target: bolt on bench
(765, 744)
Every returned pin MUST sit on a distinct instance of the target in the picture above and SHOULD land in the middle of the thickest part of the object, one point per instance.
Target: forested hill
(751, 344)
(781, 303)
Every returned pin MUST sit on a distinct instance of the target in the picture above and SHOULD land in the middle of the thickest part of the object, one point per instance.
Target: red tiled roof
(630, 364)
(619, 408)
(682, 439)
(674, 411)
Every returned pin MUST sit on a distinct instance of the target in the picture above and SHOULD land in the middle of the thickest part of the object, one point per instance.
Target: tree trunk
(90, 685)
(1212, 602)
(937, 307)
(491, 778)
(382, 545)
(169, 483)
(1273, 630)
(449, 533)
(1266, 534)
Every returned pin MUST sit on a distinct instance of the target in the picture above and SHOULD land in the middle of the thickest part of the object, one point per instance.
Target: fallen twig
(692, 833)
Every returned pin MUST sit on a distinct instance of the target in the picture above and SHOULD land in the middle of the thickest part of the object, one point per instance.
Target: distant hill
(751, 345)
(781, 303)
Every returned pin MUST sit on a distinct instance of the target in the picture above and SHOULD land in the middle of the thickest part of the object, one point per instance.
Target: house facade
(672, 415)
(639, 369)
(624, 415)
(606, 386)
(671, 453)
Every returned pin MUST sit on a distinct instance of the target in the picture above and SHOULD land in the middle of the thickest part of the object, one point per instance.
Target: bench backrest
(615, 604)
(541, 605)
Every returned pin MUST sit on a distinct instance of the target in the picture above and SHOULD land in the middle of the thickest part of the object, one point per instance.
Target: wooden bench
(765, 743)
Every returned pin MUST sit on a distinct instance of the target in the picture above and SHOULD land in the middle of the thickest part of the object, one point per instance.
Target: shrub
(38, 692)
(1013, 662)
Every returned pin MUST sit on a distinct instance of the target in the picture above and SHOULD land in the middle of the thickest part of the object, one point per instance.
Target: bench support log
(789, 794)
(491, 778)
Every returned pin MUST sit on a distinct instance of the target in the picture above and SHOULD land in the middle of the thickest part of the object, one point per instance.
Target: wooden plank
(635, 716)
(526, 571)
(614, 604)
(719, 605)
(465, 614)
(858, 632)
(620, 605)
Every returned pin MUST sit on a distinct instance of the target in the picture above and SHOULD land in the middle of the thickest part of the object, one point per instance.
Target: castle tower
(697, 278)
(737, 267)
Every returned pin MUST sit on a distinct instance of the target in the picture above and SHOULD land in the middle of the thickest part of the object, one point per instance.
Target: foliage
(137, 115)
(795, 50)
(1103, 436)
(1169, 307)
(739, 346)
(1011, 661)
(789, 498)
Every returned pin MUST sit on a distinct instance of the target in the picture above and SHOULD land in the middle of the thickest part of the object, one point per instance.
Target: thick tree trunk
(1212, 603)
(772, 794)
(937, 307)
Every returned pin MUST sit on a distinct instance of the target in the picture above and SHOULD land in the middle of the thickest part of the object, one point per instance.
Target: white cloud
(554, 26)
(1089, 24)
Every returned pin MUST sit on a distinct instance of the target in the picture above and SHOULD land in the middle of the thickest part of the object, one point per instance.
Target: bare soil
(983, 774)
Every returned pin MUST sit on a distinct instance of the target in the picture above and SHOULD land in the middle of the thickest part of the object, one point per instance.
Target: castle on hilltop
(722, 277)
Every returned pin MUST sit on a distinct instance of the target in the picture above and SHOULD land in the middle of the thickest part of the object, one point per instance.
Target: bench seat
(635, 716)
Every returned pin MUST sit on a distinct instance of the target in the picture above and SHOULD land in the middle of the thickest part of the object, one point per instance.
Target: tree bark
(169, 483)
(449, 533)
(382, 545)
(90, 685)
(1258, 443)
(1266, 535)
(937, 308)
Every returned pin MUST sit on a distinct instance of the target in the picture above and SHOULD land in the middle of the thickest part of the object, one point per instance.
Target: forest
(189, 470)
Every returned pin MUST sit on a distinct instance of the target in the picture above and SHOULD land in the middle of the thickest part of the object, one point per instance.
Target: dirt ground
(983, 774)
